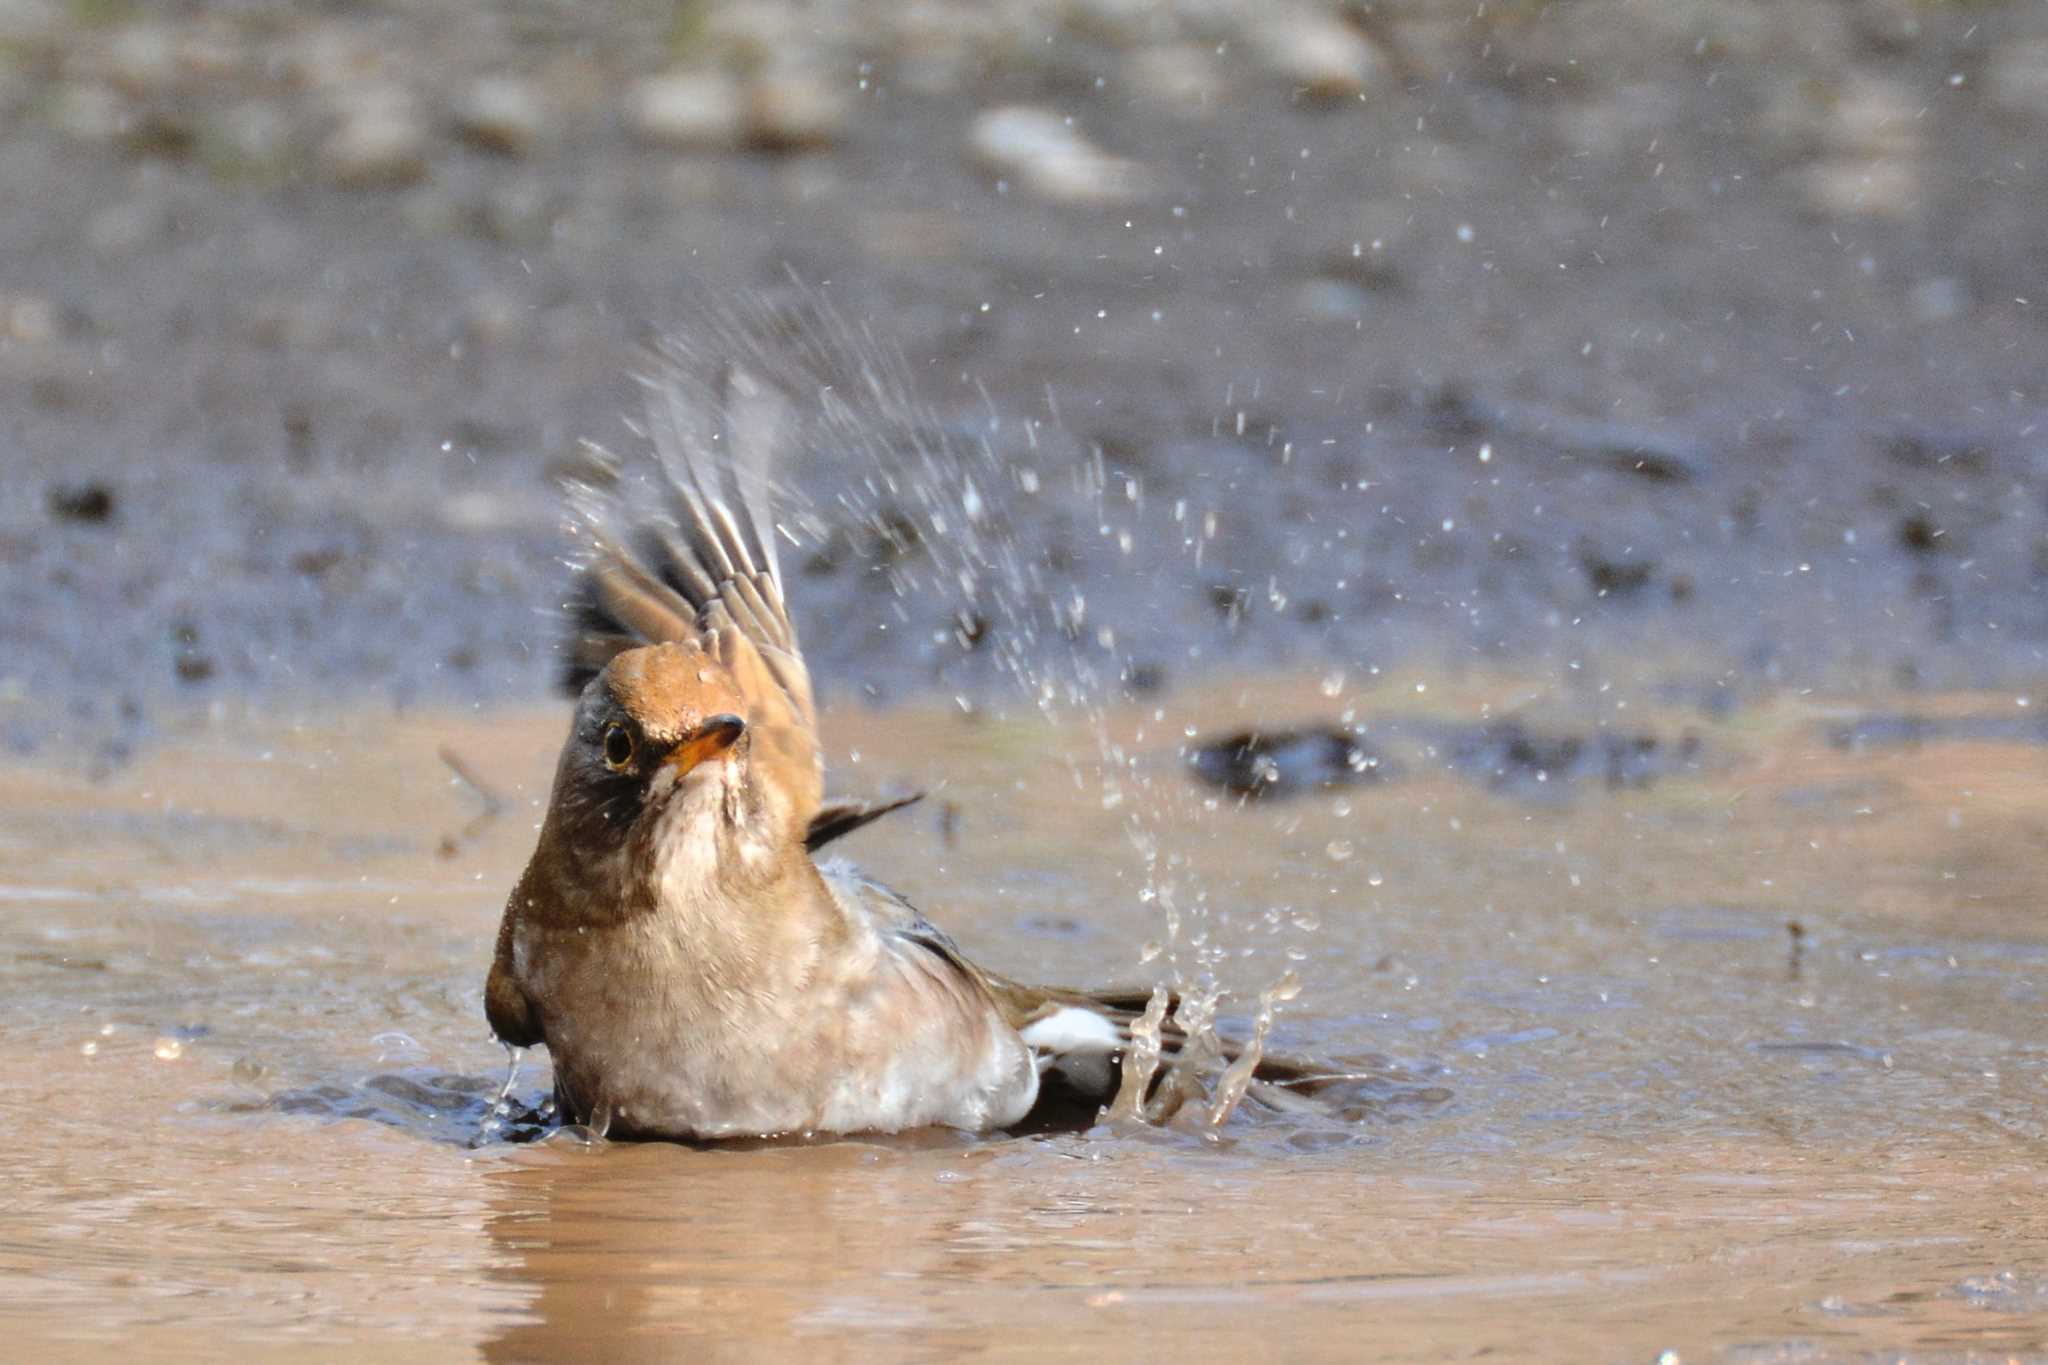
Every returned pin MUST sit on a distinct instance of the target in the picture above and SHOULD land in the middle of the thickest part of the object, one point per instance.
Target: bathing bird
(694, 968)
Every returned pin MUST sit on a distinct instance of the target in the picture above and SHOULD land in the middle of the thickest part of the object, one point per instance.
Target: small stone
(1869, 187)
(28, 319)
(499, 114)
(1043, 150)
(1327, 300)
(90, 503)
(1876, 118)
(129, 225)
(517, 210)
(494, 318)
(2017, 80)
(380, 143)
(1180, 77)
(211, 51)
(167, 130)
(90, 113)
(1889, 26)
(248, 141)
(687, 110)
(30, 23)
(1323, 57)
(1941, 298)
(793, 108)
(1122, 22)
(142, 60)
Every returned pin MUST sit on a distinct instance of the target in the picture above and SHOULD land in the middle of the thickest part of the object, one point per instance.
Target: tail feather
(1084, 1040)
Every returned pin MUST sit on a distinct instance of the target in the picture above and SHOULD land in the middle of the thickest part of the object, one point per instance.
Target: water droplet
(1333, 682)
(169, 1049)
(89, 1048)
(1339, 850)
(1373, 878)
(1150, 952)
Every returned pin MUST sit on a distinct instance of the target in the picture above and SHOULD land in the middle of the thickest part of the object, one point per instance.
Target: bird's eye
(618, 747)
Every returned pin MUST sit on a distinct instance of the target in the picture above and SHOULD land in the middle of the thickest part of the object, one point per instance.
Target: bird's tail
(1147, 1054)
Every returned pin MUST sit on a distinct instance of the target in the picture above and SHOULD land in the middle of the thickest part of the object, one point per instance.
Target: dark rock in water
(1956, 452)
(1921, 535)
(1615, 577)
(192, 664)
(91, 503)
(1286, 762)
(1229, 600)
(1144, 678)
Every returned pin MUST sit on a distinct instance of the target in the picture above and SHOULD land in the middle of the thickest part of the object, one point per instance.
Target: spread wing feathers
(698, 562)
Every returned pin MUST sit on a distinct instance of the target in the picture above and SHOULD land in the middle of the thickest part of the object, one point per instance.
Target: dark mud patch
(90, 503)
(1287, 762)
(1372, 370)
(1507, 756)
(440, 1106)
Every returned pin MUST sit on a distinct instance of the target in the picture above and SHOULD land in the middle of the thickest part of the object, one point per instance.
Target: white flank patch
(1073, 1029)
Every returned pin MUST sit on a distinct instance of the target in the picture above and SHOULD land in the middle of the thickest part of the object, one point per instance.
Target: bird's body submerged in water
(693, 970)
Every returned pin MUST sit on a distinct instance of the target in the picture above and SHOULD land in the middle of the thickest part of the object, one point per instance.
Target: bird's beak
(708, 740)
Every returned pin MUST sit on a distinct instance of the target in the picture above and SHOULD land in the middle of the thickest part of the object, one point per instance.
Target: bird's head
(657, 753)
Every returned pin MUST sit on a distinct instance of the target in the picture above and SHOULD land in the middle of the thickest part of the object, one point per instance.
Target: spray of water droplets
(922, 499)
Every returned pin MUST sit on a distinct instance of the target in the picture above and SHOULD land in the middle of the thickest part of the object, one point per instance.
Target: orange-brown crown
(671, 689)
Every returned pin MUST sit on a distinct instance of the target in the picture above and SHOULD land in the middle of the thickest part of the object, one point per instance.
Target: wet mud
(1564, 335)
(1616, 1106)
(1588, 457)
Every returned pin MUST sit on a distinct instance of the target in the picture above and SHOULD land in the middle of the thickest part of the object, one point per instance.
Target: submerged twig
(493, 804)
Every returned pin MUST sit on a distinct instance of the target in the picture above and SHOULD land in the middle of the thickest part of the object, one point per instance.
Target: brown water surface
(1619, 1108)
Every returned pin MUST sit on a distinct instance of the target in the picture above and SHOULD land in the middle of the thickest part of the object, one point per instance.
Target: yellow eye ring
(618, 747)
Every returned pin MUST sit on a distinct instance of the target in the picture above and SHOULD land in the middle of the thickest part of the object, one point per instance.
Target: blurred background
(1698, 342)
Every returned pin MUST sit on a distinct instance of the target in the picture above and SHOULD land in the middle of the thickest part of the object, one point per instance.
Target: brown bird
(693, 971)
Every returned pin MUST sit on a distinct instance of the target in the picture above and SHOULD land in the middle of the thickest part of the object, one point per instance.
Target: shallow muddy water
(1619, 1106)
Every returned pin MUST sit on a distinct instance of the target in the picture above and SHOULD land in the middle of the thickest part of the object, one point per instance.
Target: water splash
(1141, 1062)
(1238, 1077)
(924, 512)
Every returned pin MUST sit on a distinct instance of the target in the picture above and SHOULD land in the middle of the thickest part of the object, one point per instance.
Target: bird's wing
(894, 918)
(701, 564)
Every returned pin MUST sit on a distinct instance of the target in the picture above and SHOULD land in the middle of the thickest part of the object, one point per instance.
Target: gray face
(605, 777)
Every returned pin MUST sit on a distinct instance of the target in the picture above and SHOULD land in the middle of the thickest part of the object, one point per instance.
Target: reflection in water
(1603, 1116)
(1102, 1247)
